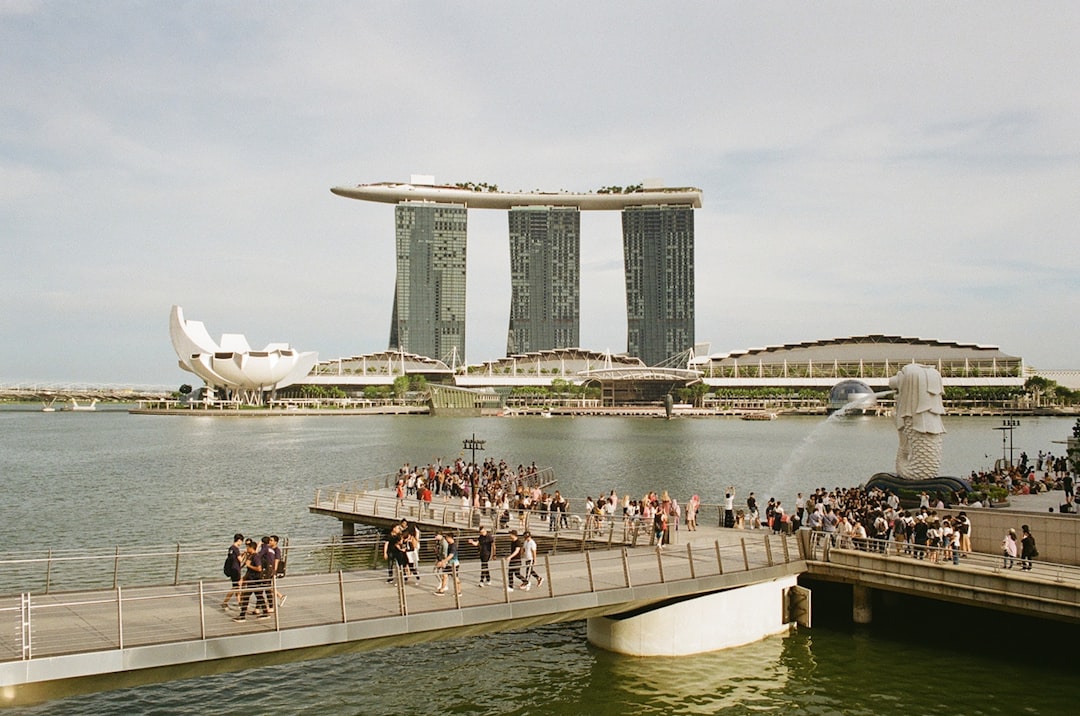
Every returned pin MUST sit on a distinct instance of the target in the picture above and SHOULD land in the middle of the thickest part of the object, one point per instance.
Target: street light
(1008, 425)
(474, 445)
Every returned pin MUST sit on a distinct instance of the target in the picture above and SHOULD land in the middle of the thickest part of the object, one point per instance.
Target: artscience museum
(229, 366)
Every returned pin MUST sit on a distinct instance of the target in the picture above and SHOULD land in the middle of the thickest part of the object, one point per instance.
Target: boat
(758, 415)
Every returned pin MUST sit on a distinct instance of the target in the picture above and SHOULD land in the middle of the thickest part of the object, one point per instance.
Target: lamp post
(474, 445)
(1008, 425)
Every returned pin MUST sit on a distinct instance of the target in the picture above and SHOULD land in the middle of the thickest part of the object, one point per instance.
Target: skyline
(184, 154)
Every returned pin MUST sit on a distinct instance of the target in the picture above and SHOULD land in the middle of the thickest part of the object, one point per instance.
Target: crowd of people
(853, 517)
(1048, 472)
(252, 566)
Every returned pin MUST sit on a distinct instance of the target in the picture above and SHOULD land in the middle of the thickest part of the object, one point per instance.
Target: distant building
(429, 295)
(872, 359)
(658, 251)
(429, 298)
(545, 278)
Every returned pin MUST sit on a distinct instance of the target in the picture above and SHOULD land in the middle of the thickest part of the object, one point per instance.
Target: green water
(106, 478)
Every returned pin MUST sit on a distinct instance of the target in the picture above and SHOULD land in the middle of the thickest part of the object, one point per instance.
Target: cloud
(907, 169)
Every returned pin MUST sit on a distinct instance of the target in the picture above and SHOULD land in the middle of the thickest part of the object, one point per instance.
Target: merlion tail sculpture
(918, 420)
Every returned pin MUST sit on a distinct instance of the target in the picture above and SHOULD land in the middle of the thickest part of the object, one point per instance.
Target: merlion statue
(918, 419)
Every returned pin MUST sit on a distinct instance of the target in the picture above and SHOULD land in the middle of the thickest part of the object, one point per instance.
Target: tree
(401, 386)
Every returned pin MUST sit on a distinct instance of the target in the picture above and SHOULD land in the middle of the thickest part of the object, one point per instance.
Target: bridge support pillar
(862, 609)
(348, 529)
(699, 624)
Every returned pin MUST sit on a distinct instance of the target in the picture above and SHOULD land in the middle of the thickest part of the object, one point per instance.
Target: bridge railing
(52, 571)
(46, 625)
(821, 544)
(382, 504)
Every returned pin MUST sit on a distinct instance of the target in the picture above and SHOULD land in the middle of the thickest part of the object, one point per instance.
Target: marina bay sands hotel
(545, 266)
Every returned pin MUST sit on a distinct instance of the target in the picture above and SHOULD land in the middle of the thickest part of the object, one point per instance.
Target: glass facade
(429, 295)
(658, 252)
(545, 279)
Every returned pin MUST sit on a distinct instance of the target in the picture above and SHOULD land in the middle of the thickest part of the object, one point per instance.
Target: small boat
(759, 415)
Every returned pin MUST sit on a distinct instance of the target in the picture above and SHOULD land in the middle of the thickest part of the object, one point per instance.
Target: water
(106, 478)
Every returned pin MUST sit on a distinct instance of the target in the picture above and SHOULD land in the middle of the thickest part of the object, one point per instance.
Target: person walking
(252, 583)
(528, 555)
(448, 564)
(279, 567)
(234, 569)
(513, 566)
(1028, 550)
(485, 543)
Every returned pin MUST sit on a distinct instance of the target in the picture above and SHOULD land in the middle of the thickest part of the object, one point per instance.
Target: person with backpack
(234, 569)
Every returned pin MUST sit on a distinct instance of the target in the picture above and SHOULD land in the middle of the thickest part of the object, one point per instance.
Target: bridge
(83, 622)
(78, 393)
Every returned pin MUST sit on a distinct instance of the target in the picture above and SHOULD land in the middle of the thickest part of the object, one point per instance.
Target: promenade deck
(56, 644)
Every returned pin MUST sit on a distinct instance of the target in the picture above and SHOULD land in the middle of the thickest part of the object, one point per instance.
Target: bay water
(95, 480)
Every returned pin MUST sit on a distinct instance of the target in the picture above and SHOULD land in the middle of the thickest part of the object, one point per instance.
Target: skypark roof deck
(395, 193)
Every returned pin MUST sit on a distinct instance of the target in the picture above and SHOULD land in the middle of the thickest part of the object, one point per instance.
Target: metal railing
(45, 625)
(822, 543)
(380, 503)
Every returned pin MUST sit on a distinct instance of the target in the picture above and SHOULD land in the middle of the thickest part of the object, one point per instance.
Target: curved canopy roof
(395, 193)
(869, 347)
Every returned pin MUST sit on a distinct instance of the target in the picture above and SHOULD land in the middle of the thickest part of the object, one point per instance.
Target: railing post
(507, 588)
(660, 563)
(611, 531)
(547, 575)
(719, 561)
(48, 571)
(768, 551)
(690, 559)
(784, 545)
(626, 567)
(399, 579)
(119, 619)
(176, 572)
(27, 643)
(202, 612)
(341, 595)
(356, 504)
(116, 567)
(745, 556)
(333, 546)
(588, 567)
(318, 495)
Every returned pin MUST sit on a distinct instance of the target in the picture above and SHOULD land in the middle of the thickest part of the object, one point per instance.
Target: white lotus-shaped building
(232, 364)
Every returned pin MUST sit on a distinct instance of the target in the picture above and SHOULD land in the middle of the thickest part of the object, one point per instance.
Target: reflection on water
(752, 676)
(100, 479)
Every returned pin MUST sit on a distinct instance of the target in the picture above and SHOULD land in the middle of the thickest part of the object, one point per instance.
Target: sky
(901, 168)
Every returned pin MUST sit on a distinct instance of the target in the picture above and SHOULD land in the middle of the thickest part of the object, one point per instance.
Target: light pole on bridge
(474, 445)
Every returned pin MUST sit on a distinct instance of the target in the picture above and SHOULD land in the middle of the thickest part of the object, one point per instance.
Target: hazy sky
(907, 168)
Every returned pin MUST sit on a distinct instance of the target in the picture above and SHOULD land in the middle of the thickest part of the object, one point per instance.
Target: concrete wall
(1055, 535)
(708, 623)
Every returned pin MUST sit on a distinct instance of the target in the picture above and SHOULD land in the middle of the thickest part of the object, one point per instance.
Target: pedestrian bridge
(58, 643)
(85, 622)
